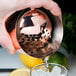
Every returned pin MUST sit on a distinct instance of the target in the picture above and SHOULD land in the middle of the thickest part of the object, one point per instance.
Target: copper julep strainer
(37, 35)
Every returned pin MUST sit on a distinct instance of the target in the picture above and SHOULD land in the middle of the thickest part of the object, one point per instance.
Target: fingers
(5, 40)
(47, 4)
(53, 8)
(23, 4)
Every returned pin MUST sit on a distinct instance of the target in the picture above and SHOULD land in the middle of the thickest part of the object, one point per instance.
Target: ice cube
(56, 70)
(49, 74)
(34, 73)
(62, 75)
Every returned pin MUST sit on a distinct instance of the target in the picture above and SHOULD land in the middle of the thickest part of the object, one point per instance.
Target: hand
(8, 7)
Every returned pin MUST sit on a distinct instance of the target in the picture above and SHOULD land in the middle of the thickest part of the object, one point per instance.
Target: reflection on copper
(33, 31)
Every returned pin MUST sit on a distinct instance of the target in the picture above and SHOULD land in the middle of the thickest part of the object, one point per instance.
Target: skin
(8, 7)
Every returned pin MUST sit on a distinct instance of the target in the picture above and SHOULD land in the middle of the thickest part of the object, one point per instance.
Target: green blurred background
(69, 39)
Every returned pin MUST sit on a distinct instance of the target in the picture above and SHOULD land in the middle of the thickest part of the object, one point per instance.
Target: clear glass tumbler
(49, 69)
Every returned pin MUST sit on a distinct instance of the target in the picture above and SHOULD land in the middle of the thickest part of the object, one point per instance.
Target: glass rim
(55, 64)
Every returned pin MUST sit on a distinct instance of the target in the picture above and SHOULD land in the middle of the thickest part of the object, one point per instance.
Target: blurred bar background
(67, 6)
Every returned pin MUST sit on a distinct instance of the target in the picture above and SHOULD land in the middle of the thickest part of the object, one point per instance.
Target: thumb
(14, 39)
(5, 40)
